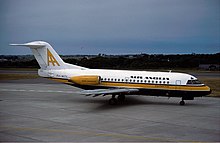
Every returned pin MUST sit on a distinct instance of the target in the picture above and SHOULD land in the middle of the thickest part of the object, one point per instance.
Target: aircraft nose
(209, 91)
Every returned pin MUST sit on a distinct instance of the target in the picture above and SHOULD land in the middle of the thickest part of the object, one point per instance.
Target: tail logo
(51, 59)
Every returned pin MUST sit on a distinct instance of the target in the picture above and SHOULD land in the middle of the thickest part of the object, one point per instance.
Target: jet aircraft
(117, 83)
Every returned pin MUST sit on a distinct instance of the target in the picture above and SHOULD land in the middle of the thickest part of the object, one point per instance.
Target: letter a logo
(51, 59)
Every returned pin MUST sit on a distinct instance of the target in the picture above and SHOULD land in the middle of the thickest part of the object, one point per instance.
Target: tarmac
(40, 110)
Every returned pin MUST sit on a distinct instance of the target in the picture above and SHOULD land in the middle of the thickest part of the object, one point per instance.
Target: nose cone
(208, 91)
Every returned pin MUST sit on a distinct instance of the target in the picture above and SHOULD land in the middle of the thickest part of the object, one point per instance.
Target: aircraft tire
(182, 103)
(121, 98)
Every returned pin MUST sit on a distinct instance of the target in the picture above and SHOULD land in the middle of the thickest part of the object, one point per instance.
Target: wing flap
(98, 92)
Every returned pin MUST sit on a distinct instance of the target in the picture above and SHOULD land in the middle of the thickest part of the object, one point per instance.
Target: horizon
(132, 54)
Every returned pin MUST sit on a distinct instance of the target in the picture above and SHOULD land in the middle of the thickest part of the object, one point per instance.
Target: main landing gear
(114, 101)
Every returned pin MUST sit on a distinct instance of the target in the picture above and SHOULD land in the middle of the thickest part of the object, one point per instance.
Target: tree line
(142, 61)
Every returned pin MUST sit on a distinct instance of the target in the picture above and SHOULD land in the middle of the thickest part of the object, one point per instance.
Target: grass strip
(214, 84)
(10, 76)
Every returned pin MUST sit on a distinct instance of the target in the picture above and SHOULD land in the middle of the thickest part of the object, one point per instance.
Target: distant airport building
(209, 66)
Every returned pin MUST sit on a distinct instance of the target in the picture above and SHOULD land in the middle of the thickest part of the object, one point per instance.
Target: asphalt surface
(43, 110)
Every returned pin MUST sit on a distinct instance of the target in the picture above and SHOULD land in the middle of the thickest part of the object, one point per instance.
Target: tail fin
(46, 56)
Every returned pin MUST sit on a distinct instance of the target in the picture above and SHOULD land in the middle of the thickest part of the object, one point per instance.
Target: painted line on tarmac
(40, 91)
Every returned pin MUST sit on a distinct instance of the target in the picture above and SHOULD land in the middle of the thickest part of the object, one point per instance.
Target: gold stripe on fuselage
(156, 86)
(145, 86)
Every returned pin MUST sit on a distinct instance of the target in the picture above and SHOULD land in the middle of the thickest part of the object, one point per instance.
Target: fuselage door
(178, 82)
(126, 79)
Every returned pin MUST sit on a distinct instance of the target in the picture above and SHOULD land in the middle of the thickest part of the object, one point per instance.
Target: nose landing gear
(182, 102)
(186, 98)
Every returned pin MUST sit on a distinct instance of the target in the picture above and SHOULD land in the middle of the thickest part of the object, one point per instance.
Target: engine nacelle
(86, 80)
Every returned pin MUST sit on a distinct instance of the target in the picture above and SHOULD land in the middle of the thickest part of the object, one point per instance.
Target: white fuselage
(123, 76)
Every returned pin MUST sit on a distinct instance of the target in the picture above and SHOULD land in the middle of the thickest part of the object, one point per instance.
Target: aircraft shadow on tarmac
(102, 104)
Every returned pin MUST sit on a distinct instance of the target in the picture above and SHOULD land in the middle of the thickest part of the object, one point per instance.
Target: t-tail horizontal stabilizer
(30, 45)
(47, 57)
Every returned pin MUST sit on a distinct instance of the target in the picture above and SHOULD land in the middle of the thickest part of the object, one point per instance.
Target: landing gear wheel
(182, 103)
(112, 101)
(121, 98)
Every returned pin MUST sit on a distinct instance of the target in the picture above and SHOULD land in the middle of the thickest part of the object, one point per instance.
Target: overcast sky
(112, 26)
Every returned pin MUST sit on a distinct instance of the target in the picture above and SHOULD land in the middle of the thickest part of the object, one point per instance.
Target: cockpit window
(195, 81)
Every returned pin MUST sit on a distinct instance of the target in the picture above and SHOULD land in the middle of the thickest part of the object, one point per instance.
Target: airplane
(102, 82)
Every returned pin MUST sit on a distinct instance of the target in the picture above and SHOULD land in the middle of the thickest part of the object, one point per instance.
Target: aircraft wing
(104, 92)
